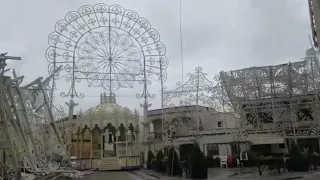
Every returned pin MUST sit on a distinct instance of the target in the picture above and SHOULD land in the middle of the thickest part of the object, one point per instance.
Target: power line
(181, 43)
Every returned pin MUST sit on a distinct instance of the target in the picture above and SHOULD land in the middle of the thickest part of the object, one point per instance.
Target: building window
(265, 117)
(212, 150)
(305, 114)
(220, 124)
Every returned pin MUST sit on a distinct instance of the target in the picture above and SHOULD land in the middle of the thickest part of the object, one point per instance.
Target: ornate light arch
(109, 46)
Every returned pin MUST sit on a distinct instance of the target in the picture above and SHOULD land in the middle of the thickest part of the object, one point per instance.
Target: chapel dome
(109, 109)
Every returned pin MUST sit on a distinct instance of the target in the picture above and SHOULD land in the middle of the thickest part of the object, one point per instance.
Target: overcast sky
(217, 35)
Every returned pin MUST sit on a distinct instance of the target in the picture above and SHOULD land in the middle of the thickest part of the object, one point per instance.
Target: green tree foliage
(197, 165)
(150, 159)
(173, 163)
(159, 162)
(252, 159)
(297, 162)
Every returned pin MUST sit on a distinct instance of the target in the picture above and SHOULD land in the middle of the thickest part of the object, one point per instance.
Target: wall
(266, 138)
(155, 146)
(209, 122)
(132, 149)
(157, 124)
(228, 120)
(276, 149)
(224, 149)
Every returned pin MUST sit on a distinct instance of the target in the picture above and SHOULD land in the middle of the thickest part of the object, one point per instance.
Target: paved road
(220, 174)
(109, 175)
(214, 174)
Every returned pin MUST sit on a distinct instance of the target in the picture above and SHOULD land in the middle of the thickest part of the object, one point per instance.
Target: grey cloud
(217, 34)
(283, 32)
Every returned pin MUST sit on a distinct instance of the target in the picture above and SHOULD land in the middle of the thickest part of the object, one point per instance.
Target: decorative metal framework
(107, 119)
(186, 107)
(193, 108)
(194, 89)
(282, 98)
(109, 47)
(30, 132)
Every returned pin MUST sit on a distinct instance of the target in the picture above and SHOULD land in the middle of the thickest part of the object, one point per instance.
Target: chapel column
(133, 144)
(146, 128)
(101, 143)
(137, 143)
(116, 143)
(126, 142)
(91, 138)
(71, 104)
(81, 145)
(69, 137)
(78, 145)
